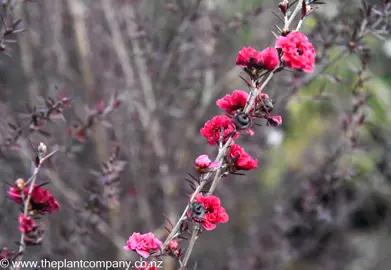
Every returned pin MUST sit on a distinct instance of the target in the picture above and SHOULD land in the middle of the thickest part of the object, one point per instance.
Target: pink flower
(143, 243)
(251, 58)
(212, 129)
(15, 195)
(5, 254)
(202, 163)
(247, 56)
(269, 58)
(214, 212)
(26, 224)
(173, 245)
(241, 160)
(233, 103)
(274, 120)
(41, 201)
(263, 95)
(298, 52)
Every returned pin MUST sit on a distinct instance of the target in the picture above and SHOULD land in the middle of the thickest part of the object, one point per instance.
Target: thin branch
(190, 247)
(26, 200)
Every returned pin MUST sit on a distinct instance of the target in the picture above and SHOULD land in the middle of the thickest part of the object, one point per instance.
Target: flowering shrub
(242, 109)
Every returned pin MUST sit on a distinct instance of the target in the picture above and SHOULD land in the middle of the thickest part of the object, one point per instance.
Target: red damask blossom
(5, 254)
(143, 243)
(274, 120)
(298, 52)
(173, 245)
(234, 102)
(26, 224)
(214, 212)
(269, 58)
(247, 56)
(266, 59)
(16, 195)
(212, 129)
(41, 201)
(242, 160)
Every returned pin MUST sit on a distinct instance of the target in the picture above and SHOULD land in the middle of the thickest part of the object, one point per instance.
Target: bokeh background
(169, 61)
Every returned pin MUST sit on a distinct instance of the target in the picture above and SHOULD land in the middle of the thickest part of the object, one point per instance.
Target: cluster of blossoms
(41, 203)
(241, 108)
(251, 58)
(294, 50)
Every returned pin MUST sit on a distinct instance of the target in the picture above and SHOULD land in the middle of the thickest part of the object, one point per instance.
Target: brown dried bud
(283, 6)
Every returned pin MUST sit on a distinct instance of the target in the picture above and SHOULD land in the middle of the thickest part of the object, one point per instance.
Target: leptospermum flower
(251, 58)
(246, 56)
(297, 51)
(26, 224)
(143, 244)
(239, 159)
(41, 201)
(212, 129)
(269, 58)
(173, 245)
(212, 213)
(274, 120)
(5, 254)
(203, 164)
(233, 103)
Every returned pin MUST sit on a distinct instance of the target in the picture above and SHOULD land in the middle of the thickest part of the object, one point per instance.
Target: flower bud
(173, 245)
(19, 183)
(42, 149)
(283, 5)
